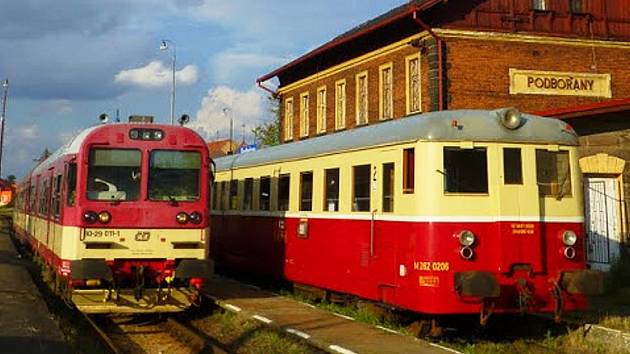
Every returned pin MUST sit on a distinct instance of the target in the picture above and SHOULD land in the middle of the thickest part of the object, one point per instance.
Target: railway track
(149, 334)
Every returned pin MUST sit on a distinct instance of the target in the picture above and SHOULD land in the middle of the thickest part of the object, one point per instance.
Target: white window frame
(321, 109)
(340, 104)
(304, 114)
(362, 102)
(408, 84)
(288, 119)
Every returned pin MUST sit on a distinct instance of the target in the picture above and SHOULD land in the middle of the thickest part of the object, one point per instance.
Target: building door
(601, 200)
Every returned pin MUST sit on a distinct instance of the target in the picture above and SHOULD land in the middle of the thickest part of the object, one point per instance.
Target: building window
(340, 104)
(388, 187)
(553, 173)
(321, 110)
(413, 84)
(409, 170)
(361, 188)
(331, 192)
(465, 170)
(288, 119)
(512, 166)
(284, 189)
(362, 98)
(304, 114)
(540, 5)
(234, 194)
(56, 196)
(264, 193)
(386, 92)
(248, 193)
(306, 191)
(576, 6)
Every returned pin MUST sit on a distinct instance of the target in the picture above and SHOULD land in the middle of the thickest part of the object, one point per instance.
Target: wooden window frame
(305, 102)
(388, 166)
(321, 109)
(408, 88)
(389, 100)
(289, 109)
(340, 104)
(359, 103)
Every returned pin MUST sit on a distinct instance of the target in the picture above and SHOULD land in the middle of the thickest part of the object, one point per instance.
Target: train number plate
(143, 236)
(101, 233)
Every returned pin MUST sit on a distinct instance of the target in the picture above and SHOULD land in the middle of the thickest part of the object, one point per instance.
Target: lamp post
(5, 85)
(226, 112)
(165, 45)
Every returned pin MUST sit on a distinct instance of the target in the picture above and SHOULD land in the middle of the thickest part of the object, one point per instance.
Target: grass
(241, 335)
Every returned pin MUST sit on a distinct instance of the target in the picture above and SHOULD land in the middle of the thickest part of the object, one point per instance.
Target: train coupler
(487, 309)
(524, 295)
(558, 302)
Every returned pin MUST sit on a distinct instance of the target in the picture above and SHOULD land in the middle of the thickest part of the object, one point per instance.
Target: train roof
(74, 145)
(457, 125)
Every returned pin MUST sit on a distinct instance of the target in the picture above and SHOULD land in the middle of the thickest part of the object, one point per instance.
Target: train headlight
(182, 218)
(90, 217)
(511, 118)
(104, 217)
(466, 238)
(466, 253)
(195, 217)
(569, 238)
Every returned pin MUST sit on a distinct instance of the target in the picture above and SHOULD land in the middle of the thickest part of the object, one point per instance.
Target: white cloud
(246, 108)
(27, 132)
(157, 75)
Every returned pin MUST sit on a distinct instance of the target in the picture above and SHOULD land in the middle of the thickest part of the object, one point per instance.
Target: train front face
(514, 240)
(141, 208)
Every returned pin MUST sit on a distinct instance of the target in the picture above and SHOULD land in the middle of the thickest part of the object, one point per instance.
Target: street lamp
(226, 112)
(5, 85)
(165, 45)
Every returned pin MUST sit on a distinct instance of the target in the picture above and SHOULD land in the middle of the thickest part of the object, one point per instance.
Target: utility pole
(5, 85)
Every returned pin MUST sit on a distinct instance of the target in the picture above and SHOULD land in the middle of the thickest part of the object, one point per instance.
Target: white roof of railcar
(472, 125)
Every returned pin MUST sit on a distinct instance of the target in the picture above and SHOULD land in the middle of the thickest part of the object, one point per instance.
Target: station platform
(328, 331)
(25, 323)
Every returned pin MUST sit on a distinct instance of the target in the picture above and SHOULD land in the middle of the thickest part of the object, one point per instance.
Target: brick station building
(567, 58)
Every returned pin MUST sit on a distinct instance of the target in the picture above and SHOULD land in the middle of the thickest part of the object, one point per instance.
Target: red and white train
(453, 212)
(119, 217)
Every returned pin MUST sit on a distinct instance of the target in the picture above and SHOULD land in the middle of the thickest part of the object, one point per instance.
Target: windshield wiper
(173, 201)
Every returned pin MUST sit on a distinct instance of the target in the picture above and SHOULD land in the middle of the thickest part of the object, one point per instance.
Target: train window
(540, 5)
(215, 195)
(223, 195)
(56, 196)
(577, 6)
(332, 189)
(71, 184)
(114, 174)
(361, 188)
(284, 189)
(409, 170)
(233, 194)
(174, 175)
(32, 198)
(248, 196)
(465, 170)
(553, 173)
(306, 191)
(512, 166)
(388, 187)
(265, 193)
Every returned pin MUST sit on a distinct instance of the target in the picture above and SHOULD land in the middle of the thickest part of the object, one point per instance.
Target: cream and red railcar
(454, 212)
(118, 217)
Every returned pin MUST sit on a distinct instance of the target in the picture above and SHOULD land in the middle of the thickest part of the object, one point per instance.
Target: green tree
(268, 133)
(11, 178)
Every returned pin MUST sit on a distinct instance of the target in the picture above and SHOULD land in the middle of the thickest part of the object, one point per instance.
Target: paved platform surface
(25, 324)
(325, 330)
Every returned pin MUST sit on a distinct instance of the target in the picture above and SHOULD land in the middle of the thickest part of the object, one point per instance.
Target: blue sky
(70, 60)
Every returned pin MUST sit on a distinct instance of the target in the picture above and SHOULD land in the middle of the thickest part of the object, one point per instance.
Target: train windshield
(114, 174)
(174, 175)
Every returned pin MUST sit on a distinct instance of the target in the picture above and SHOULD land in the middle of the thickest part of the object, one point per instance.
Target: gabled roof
(393, 15)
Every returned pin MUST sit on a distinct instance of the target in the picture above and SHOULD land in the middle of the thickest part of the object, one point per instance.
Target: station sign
(534, 82)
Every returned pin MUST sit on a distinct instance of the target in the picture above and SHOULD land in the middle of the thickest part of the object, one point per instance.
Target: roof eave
(410, 10)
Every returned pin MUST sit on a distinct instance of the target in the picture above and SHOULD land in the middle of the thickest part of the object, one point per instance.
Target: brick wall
(478, 72)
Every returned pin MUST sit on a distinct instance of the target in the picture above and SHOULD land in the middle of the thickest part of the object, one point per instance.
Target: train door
(519, 211)
(602, 204)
